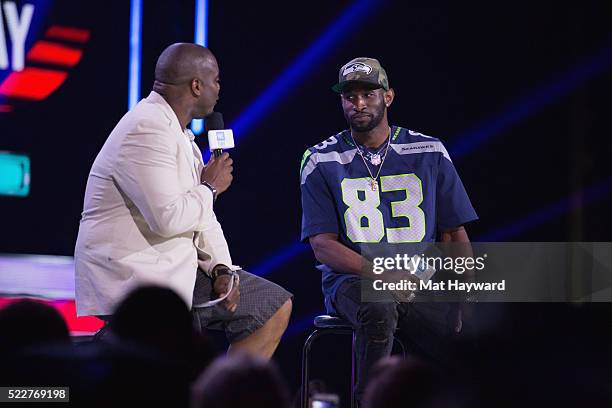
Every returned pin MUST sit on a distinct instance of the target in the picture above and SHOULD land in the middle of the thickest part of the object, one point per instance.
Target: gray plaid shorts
(259, 300)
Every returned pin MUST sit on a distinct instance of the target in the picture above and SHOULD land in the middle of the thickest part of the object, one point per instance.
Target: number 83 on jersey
(363, 203)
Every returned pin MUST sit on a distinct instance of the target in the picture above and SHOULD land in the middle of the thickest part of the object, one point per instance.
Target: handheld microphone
(218, 137)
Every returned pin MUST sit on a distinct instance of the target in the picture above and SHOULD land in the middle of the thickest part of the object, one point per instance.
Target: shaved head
(187, 76)
(181, 62)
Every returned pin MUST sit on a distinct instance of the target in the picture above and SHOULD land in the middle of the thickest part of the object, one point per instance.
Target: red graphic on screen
(52, 53)
(32, 83)
(35, 83)
(68, 34)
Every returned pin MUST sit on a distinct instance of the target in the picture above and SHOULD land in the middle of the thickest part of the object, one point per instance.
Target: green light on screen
(14, 174)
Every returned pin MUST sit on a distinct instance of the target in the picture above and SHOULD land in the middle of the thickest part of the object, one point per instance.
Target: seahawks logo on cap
(358, 66)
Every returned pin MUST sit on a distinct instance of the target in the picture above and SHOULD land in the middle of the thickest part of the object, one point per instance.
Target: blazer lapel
(183, 139)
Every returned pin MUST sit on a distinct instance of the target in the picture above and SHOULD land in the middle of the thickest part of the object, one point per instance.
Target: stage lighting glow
(279, 258)
(311, 57)
(15, 170)
(573, 201)
(529, 104)
(201, 23)
(201, 38)
(135, 54)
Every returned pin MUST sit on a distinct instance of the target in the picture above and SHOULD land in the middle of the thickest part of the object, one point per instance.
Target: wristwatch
(212, 189)
(222, 270)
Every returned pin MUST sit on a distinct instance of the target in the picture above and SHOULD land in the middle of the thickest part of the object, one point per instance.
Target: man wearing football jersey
(379, 184)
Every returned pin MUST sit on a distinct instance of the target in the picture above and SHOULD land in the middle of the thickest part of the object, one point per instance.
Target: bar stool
(326, 324)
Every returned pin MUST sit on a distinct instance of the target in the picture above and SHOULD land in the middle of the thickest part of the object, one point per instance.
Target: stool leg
(353, 369)
(306, 366)
(306, 362)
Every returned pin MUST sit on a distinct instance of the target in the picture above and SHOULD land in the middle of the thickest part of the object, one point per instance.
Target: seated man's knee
(284, 312)
(287, 307)
(378, 320)
(282, 316)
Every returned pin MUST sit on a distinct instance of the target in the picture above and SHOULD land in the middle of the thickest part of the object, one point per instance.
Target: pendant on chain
(373, 184)
(375, 159)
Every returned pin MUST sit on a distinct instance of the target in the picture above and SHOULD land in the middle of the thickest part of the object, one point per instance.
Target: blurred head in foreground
(398, 382)
(28, 323)
(240, 380)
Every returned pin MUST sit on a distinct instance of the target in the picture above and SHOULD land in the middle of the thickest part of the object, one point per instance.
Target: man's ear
(196, 86)
(388, 97)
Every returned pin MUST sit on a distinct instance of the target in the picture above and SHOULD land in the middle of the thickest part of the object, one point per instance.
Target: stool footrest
(331, 322)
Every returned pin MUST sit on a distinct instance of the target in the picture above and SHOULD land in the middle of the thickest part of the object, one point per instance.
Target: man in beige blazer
(148, 213)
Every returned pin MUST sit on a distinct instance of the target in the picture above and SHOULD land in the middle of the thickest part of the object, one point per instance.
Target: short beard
(366, 127)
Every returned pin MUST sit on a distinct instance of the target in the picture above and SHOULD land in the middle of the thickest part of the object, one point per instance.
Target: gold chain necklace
(373, 180)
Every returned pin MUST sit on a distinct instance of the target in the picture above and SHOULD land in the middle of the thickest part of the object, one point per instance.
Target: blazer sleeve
(146, 171)
(212, 248)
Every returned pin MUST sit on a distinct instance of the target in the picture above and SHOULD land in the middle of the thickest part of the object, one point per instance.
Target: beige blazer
(146, 217)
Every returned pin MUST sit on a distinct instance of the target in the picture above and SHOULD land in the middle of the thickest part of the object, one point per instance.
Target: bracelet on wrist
(211, 188)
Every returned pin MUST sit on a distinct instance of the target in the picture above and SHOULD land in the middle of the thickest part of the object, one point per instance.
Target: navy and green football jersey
(419, 193)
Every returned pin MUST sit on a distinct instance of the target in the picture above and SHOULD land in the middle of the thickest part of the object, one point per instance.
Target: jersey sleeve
(453, 206)
(318, 207)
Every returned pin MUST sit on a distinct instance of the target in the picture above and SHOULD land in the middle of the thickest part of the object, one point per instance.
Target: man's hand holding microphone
(218, 174)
